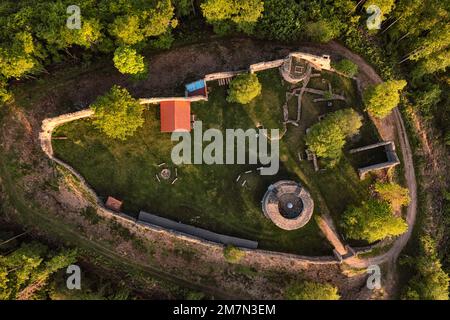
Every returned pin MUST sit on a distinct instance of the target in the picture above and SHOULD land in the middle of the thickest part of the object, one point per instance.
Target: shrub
(308, 290)
(323, 30)
(233, 254)
(117, 113)
(393, 193)
(347, 67)
(244, 88)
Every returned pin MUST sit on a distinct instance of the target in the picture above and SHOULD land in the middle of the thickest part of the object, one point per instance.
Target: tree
(128, 61)
(372, 221)
(393, 193)
(281, 20)
(430, 281)
(233, 254)
(244, 88)
(347, 67)
(433, 63)
(348, 120)
(127, 29)
(382, 98)
(307, 290)
(27, 269)
(327, 137)
(117, 113)
(323, 30)
(223, 14)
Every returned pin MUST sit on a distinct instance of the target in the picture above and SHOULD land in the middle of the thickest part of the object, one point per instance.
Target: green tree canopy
(324, 30)
(244, 88)
(281, 20)
(382, 98)
(347, 67)
(117, 113)
(327, 137)
(430, 282)
(372, 221)
(393, 193)
(242, 14)
(128, 61)
(308, 290)
(27, 269)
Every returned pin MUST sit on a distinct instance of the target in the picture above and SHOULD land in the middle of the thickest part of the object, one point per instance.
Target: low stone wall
(158, 100)
(391, 155)
(266, 65)
(223, 75)
(48, 125)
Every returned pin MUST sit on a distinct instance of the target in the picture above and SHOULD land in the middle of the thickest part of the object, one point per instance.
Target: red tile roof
(175, 116)
(113, 204)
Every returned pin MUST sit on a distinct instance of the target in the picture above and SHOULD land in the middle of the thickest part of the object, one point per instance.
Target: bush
(323, 30)
(372, 221)
(128, 61)
(393, 193)
(233, 254)
(347, 67)
(164, 41)
(244, 88)
(117, 113)
(382, 98)
(308, 290)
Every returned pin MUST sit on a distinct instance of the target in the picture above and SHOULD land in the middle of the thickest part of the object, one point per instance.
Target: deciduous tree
(372, 221)
(382, 98)
(117, 113)
(244, 88)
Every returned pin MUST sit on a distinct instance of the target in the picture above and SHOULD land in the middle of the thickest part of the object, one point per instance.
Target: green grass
(207, 195)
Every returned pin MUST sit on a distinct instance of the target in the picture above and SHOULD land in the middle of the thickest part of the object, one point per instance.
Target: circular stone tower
(287, 204)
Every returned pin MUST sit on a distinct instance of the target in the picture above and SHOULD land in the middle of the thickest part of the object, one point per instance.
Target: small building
(113, 204)
(391, 160)
(196, 88)
(175, 116)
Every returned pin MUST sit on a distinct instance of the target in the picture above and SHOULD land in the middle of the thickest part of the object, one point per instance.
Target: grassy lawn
(207, 195)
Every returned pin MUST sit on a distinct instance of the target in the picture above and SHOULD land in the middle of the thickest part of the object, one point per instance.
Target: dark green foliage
(308, 290)
(347, 67)
(26, 270)
(430, 282)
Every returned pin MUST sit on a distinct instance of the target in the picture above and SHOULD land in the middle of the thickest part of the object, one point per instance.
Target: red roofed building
(175, 116)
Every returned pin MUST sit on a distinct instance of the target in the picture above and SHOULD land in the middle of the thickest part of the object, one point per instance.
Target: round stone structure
(288, 204)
